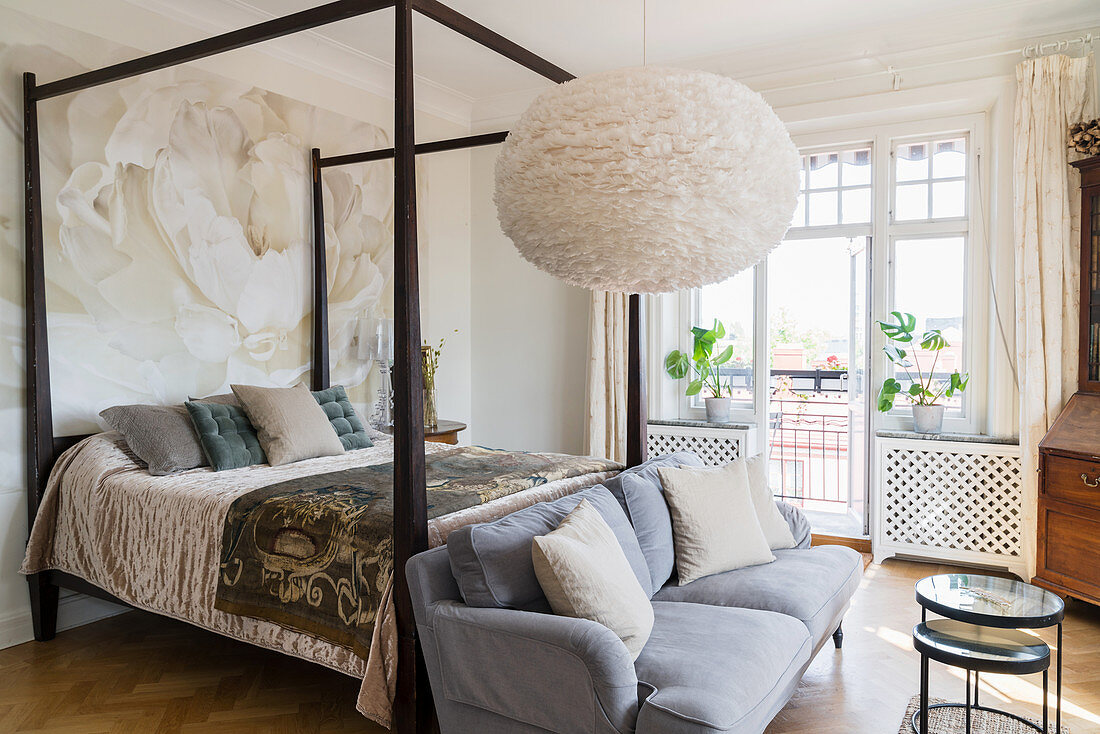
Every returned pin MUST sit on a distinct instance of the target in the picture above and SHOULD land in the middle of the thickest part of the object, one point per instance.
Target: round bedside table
(979, 634)
(442, 432)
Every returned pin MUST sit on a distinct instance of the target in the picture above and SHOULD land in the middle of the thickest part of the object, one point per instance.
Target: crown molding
(315, 52)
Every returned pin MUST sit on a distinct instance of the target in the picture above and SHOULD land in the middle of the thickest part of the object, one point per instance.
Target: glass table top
(989, 600)
(979, 647)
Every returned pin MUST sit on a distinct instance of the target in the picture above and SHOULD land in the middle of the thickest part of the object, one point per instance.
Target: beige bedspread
(154, 542)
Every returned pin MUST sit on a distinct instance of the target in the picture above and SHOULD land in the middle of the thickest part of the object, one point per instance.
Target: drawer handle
(1090, 482)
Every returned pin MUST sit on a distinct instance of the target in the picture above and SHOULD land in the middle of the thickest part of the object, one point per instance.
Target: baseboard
(863, 545)
(73, 610)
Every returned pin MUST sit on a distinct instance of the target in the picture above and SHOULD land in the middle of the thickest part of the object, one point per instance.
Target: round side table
(978, 634)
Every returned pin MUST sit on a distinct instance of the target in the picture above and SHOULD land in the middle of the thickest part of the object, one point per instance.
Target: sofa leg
(838, 637)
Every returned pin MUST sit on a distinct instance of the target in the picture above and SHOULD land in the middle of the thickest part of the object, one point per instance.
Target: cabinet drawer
(1072, 480)
(1070, 554)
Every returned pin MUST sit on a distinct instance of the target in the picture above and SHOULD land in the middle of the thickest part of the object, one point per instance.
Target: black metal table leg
(1046, 693)
(968, 701)
(923, 694)
(976, 688)
(1058, 687)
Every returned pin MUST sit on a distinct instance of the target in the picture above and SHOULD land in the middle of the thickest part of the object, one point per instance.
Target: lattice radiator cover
(963, 500)
(715, 446)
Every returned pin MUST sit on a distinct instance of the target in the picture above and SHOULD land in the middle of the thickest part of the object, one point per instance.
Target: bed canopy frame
(412, 707)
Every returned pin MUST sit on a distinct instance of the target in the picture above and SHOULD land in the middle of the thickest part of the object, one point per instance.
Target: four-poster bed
(410, 523)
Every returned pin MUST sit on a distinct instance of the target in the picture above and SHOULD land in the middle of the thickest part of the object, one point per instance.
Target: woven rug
(953, 721)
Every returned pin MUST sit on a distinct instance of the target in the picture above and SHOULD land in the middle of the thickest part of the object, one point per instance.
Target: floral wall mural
(177, 234)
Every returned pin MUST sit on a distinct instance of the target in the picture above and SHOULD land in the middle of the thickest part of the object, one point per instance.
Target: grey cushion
(492, 561)
(718, 669)
(800, 526)
(345, 421)
(639, 491)
(813, 585)
(227, 436)
(160, 435)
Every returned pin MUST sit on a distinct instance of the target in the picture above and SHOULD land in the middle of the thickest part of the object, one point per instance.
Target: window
(887, 214)
(732, 303)
(835, 188)
(928, 232)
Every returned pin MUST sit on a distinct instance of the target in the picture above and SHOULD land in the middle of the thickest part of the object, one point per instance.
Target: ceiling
(762, 43)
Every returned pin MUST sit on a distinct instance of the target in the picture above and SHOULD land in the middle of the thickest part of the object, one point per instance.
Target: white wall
(444, 216)
(529, 339)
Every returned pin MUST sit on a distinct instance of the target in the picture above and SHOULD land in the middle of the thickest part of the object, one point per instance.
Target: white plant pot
(928, 418)
(718, 410)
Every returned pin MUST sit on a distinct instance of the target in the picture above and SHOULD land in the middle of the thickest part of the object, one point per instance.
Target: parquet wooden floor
(142, 673)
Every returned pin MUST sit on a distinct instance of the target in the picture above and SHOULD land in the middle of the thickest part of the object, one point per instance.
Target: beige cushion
(290, 424)
(584, 573)
(714, 523)
(776, 530)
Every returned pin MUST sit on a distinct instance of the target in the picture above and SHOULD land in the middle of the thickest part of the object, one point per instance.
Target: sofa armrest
(796, 519)
(558, 673)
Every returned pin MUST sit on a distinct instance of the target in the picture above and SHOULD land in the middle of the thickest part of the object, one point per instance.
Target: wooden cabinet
(1069, 455)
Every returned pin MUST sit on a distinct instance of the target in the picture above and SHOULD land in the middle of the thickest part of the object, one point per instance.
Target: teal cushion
(345, 421)
(227, 436)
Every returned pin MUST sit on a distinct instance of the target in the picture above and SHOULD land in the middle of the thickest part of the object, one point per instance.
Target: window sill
(702, 424)
(956, 437)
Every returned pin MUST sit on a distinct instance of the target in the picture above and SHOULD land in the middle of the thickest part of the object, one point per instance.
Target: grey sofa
(725, 654)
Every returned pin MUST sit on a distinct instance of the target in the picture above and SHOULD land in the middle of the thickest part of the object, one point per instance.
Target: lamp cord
(989, 271)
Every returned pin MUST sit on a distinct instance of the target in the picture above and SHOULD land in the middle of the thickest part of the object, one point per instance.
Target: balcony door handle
(1090, 482)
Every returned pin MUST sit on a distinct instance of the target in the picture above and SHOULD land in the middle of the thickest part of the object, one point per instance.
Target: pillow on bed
(345, 421)
(225, 398)
(160, 435)
(227, 436)
(290, 424)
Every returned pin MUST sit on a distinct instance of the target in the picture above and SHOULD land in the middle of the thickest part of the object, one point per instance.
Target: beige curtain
(605, 419)
(1052, 93)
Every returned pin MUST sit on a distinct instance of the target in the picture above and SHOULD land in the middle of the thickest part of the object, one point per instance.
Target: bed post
(636, 428)
(412, 705)
(39, 408)
(320, 373)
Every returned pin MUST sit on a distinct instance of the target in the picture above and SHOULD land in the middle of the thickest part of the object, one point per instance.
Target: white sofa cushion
(714, 522)
(584, 573)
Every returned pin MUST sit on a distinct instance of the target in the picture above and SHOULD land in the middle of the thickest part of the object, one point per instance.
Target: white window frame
(674, 311)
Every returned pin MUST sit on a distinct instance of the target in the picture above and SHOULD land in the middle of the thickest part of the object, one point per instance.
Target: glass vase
(431, 419)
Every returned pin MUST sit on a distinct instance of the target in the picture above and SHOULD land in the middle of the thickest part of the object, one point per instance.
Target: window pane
(948, 199)
(822, 208)
(929, 278)
(855, 167)
(949, 159)
(799, 219)
(802, 175)
(823, 170)
(911, 202)
(912, 162)
(855, 206)
(732, 302)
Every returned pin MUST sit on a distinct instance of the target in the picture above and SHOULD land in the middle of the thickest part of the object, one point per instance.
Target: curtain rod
(1028, 52)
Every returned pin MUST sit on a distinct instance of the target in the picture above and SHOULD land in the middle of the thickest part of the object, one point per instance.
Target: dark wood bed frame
(412, 707)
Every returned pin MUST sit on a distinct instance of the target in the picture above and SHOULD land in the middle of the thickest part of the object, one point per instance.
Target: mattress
(155, 542)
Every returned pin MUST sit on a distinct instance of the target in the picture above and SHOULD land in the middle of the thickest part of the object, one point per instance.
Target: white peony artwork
(177, 222)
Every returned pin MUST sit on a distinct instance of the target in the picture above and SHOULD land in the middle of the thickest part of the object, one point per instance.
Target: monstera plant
(703, 366)
(924, 389)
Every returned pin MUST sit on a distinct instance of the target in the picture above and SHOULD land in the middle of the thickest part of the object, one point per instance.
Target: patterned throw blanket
(315, 553)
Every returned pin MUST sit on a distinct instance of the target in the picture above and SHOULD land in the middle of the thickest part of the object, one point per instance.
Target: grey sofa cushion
(813, 585)
(800, 526)
(639, 491)
(160, 435)
(718, 669)
(492, 561)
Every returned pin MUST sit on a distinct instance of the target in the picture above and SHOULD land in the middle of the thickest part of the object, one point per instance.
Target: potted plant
(705, 364)
(924, 390)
